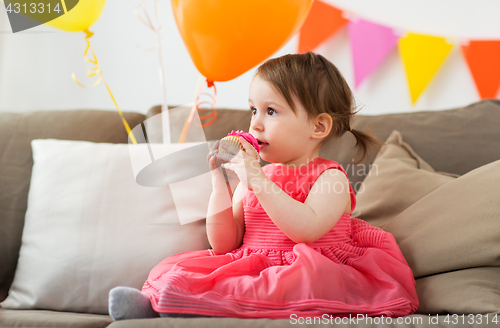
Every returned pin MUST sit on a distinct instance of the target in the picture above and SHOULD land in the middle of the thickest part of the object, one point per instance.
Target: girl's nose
(256, 123)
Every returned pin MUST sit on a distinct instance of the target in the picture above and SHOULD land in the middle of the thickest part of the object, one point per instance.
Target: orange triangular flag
(482, 57)
(322, 22)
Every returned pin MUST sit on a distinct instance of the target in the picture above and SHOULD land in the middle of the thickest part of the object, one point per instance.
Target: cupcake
(232, 139)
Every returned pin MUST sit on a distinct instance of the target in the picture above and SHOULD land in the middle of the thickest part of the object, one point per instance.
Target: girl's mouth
(262, 144)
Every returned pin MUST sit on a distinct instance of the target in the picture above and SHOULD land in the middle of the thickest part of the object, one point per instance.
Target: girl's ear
(322, 126)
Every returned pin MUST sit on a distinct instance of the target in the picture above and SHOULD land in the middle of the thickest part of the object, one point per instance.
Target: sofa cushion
(37, 318)
(90, 227)
(398, 177)
(16, 132)
(414, 321)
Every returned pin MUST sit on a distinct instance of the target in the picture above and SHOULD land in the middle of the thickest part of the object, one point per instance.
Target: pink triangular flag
(370, 45)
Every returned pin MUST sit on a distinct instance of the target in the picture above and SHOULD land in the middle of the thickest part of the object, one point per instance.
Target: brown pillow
(451, 240)
(473, 290)
(456, 226)
(397, 178)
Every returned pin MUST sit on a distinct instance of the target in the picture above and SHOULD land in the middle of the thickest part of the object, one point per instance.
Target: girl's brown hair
(319, 86)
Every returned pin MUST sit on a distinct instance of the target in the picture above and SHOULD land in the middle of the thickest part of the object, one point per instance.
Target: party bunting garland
(322, 22)
(421, 64)
(422, 55)
(482, 59)
(367, 37)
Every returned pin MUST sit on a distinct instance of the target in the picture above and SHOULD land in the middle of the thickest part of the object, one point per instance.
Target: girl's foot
(129, 303)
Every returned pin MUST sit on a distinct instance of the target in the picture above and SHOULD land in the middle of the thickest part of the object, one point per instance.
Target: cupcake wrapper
(230, 141)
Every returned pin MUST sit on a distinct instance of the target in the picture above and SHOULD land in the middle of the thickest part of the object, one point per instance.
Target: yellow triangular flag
(422, 56)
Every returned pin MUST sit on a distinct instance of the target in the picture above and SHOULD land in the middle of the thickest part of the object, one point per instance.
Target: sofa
(74, 222)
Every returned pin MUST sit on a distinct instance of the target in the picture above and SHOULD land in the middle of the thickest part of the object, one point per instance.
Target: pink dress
(354, 269)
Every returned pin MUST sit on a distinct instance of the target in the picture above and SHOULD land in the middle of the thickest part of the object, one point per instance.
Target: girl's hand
(245, 164)
(218, 180)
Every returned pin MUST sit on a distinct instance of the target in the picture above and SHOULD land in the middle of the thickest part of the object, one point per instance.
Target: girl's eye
(271, 111)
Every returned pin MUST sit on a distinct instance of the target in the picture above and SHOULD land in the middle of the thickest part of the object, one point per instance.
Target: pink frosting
(248, 137)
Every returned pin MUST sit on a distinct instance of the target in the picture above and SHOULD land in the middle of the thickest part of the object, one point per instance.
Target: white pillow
(90, 227)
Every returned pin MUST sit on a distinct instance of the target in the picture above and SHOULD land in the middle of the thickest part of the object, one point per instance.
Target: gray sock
(129, 303)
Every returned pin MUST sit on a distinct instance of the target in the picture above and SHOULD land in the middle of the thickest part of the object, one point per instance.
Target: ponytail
(364, 141)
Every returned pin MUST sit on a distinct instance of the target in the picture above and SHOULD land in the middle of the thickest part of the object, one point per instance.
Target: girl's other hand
(211, 157)
(245, 164)
(219, 179)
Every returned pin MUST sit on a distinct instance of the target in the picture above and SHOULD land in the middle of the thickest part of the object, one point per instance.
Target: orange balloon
(226, 38)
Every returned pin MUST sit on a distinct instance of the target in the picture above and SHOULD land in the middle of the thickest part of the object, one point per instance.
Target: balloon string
(97, 71)
(200, 78)
(196, 107)
(212, 105)
(149, 23)
(188, 121)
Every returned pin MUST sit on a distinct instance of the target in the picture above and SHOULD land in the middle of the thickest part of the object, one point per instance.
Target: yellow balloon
(80, 18)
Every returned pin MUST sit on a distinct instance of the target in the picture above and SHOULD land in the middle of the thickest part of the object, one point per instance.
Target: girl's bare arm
(225, 221)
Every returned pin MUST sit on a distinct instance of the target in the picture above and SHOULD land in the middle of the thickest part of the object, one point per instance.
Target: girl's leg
(129, 303)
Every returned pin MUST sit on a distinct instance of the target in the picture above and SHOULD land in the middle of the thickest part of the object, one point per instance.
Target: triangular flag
(321, 23)
(422, 56)
(483, 58)
(370, 45)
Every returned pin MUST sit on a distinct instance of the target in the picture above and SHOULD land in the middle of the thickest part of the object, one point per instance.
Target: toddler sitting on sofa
(286, 243)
